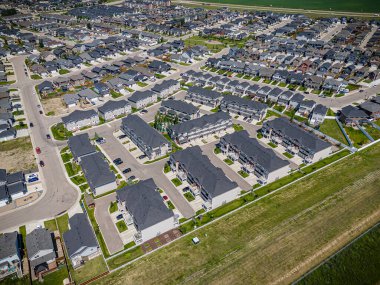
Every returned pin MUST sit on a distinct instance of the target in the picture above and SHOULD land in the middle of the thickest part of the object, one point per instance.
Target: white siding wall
(105, 188)
(225, 198)
(274, 175)
(322, 154)
(158, 229)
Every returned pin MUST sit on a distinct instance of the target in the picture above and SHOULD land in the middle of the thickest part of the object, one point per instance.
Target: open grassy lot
(90, 269)
(331, 128)
(214, 46)
(55, 277)
(338, 5)
(358, 263)
(17, 155)
(63, 223)
(51, 225)
(357, 137)
(281, 233)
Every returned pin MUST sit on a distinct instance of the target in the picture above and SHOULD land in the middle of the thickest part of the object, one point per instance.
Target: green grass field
(331, 128)
(338, 5)
(266, 240)
(359, 263)
(89, 270)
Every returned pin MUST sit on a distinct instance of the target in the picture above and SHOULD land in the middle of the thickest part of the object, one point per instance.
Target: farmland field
(276, 239)
(338, 5)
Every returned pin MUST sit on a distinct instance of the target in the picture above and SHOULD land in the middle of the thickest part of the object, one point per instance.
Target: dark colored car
(142, 156)
(31, 125)
(48, 136)
(41, 112)
(119, 217)
(132, 178)
(42, 163)
(118, 161)
(186, 189)
(122, 137)
(100, 140)
(127, 170)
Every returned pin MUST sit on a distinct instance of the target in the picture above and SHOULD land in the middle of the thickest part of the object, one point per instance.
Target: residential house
(306, 107)
(80, 240)
(89, 95)
(296, 140)
(144, 209)
(41, 251)
(80, 146)
(318, 115)
(243, 107)
(102, 89)
(203, 96)
(371, 108)
(147, 139)
(180, 109)
(70, 100)
(114, 109)
(166, 88)
(10, 256)
(141, 99)
(253, 157)
(98, 174)
(202, 127)
(352, 116)
(45, 88)
(80, 119)
(205, 180)
(295, 101)
(157, 66)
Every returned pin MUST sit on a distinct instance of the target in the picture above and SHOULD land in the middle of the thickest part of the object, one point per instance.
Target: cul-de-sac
(189, 142)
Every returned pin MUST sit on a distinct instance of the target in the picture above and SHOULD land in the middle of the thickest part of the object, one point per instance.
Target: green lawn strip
(217, 150)
(63, 71)
(60, 132)
(228, 161)
(159, 76)
(357, 137)
(171, 205)
(95, 226)
(66, 157)
(115, 94)
(129, 245)
(125, 257)
(357, 262)
(189, 197)
(176, 182)
(373, 132)
(63, 223)
(240, 232)
(84, 187)
(89, 270)
(35, 77)
(51, 225)
(288, 155)
(121, 226)
(142, 84)
(331, 128)
(72, 168)
(243, 173)
(78, 180)
(238, 127)
(271, 144)
(113, 207)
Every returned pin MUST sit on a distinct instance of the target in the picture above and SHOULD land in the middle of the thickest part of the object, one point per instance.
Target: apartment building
(203, 96)
(206, 180)
(254, 157)
(296, 140)
(243, 107)
(113, 109)
(184, 111)
(141, 99)
(147, 139)
(80, 119)
(201, 127)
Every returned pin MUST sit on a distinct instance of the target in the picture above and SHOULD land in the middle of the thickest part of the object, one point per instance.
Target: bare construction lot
(17, 155)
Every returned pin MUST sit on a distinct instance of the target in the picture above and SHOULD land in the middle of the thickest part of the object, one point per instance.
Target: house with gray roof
(202, 127)
(89, 95)
(145, 210)
(98, 174)
(70, 100)
(180, 109)
(254, 157)
(114, 109)
(166, 88)
(10, 255)
(206, 180)
(80, 240)
(203, 96)
(80, 146)
(318, 115)
(141, 99)
(371, 108)
(351, 116)
(147, 139)
(243, 107)
(306, 107)
(296, 140)
(80, 119)
(41, 251)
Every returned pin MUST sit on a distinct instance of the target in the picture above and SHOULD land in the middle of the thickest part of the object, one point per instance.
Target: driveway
(106, 225)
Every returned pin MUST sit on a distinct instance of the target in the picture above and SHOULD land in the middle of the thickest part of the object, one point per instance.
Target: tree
(89, 26)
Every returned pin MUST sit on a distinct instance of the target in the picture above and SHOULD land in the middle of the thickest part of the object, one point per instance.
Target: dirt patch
(17, 155)
(54, 105)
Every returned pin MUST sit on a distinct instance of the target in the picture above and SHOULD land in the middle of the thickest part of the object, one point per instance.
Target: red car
(38, 150)
(165, 198)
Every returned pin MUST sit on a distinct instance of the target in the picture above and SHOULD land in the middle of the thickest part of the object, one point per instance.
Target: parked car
(186, 189)
(127, 170)
(121, 137)
(119, 217)
(118, 161)
(42, 163)
(48, 136)
(143, 111)
(38, 150)
(142, 156)
(41, 112)
(165, 198)
(32, 179)
(31, 125)
(131, 178)
(101, 140)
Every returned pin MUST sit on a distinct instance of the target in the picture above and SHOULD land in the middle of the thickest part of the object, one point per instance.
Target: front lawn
(176, 182)
(238, 127)
(189, 197)
(35, 77)
(121, 226)
(63, 223)
(217, 150)
(60, 132)
(89, 270)
(171, 205)
(159, 76)
(115, 94)
(288, 155)
(228, 161)
(243, 173)
(51, 225)
(113, 207)
(72, 168)
(271, 144)
(63, 71)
